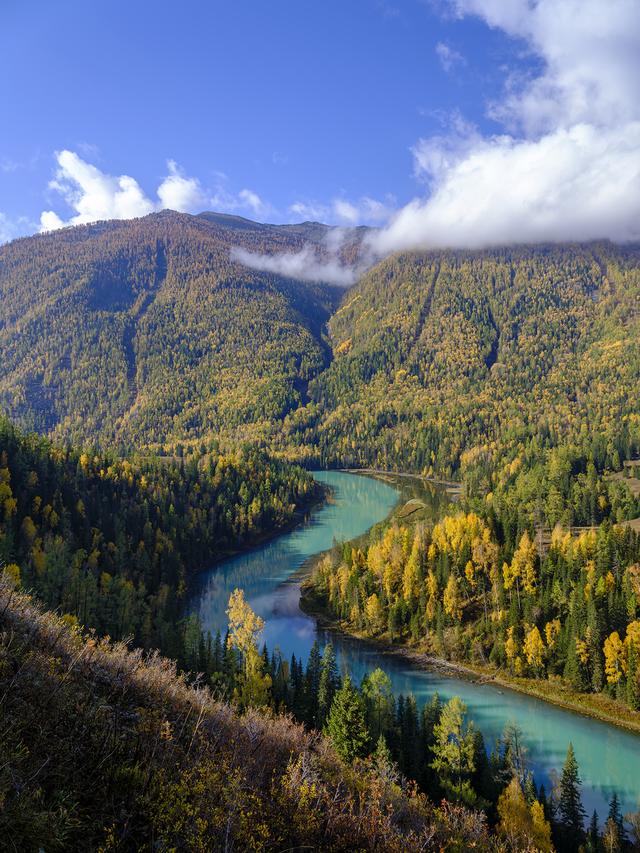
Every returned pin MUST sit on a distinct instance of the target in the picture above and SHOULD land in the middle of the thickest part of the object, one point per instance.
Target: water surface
(609, 758)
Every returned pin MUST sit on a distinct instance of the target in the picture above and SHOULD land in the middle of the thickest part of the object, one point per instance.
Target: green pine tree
(385, 766)
(312, 685)
(615, 823)
(570, 811)
(328, 685)
(346, 724)
(593, 835)
(453, 751)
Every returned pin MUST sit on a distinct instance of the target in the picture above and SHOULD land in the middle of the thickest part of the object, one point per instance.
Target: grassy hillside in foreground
(104, 749)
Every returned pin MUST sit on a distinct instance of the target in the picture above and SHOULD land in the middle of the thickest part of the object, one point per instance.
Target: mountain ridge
(105, 292)
(157, 338)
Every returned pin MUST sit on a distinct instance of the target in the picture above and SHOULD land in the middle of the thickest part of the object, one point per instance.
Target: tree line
(460, 591)
(437, 747)
(113, 543)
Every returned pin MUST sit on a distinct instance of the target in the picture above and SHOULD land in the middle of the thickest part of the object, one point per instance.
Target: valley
(192, 409)
(270, 577)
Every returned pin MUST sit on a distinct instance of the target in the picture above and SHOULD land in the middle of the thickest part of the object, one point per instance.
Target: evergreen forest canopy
(471, 365)
(145, 333)
(113, 543)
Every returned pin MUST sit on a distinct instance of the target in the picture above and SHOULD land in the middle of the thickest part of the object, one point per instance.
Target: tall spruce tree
(328, 685)
(346, 724)
(593, 835)
(615, 824)
(571, 814)
(312, 686)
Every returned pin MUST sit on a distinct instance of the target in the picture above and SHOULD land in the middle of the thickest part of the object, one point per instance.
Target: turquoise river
(609, 757)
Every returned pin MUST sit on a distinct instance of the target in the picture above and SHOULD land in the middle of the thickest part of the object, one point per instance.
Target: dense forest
(114, 542)
(189, 384)
(146, 333)
(462, 363)
(471, 365)
(476, 588)
(171, 765)
(437, 748)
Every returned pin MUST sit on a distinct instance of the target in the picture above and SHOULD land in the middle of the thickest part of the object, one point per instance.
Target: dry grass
(107, 748)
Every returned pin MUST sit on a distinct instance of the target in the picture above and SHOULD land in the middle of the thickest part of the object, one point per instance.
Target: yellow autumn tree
(523, 826)
(540, 829)
(582, 651)
(522, 567)
(613, 657)
(633, 636)
(451, 599)
(551, 632)
(470, 573)
(432, 591)
(534, 648)
(411, 574)
(244, 629)
(374, 613)
(510, 645)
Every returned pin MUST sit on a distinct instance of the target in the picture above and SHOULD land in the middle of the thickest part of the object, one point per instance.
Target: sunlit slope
(443, 359)
(145, 332)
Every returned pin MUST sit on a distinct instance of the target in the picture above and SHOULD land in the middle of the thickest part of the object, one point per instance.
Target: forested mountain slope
(467, 364)
(145, 332)
(114, 543)
(449, 360)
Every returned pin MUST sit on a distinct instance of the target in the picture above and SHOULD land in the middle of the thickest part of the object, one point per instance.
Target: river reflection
(609, 758)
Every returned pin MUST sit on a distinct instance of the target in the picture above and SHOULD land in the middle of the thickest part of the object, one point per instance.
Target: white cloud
(309, 264)
(310, 211)
(7, 229)
(346, 211)
(448, 57)
(591, 54)
(178, 192)
(569, 166)
(305, 265)
(94, 195)
(342, 211)
(8, 165)
(251, 200)
(12, 228)
(579, 183)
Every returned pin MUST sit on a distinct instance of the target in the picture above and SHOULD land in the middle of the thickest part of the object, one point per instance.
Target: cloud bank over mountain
(563, 165)
(305, 265)
(567, 166)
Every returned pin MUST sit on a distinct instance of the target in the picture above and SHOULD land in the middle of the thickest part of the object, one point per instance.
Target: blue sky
(298, 101)
(345, 111)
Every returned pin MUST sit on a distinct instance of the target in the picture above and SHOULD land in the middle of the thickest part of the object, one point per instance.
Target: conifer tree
(614, 829)
(328, 684)
(571, 814)
(346, 724)
(312, 685)
(383, 762)
(593, 835)
(376, 691)
(453, 750)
